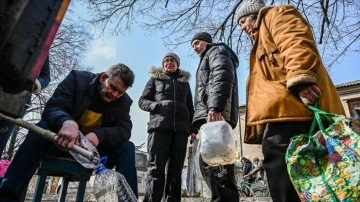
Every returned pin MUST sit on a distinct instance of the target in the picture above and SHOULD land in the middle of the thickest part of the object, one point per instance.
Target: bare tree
(335, 23)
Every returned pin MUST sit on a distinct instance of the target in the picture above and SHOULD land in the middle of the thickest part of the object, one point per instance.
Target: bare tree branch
(177, 20)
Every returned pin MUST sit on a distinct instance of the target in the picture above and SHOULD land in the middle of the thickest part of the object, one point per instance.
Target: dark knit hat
(173, 55)
(203, 36)
(249, 7)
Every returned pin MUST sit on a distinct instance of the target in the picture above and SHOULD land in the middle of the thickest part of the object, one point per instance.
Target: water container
(124, 191)
(217, 144)
(105, 183)
(84, 161)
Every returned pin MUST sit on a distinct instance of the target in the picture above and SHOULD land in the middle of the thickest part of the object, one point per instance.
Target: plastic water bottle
(124, 191)
(105, 183)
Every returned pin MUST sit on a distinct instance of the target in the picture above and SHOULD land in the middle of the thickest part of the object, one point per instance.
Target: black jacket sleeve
(190, 107)
(147, 99)
(223, 78)
(59, 107)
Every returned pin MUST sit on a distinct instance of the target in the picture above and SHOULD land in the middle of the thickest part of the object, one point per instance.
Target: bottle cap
(101, 166)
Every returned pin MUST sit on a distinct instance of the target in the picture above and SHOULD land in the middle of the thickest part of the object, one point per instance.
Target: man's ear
(103, 77)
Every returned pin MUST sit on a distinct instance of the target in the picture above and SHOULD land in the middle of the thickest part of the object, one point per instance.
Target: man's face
(247, 24)
(170, 64)
(199, 46)
(111, 88)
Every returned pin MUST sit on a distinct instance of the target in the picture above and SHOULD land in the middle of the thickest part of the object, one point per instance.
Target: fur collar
(261, 14)
(158, 73)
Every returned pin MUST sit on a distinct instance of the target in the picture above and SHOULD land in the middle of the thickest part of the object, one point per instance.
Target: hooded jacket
(169, 101)
(73, 96)
(216, 84)
(283, 57)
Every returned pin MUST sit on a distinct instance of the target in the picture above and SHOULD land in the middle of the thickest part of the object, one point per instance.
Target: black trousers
(165, 148)
(221, 181)
(275, 142)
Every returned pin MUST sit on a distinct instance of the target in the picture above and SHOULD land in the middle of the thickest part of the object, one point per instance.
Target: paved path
(71, 198)
(248, 199)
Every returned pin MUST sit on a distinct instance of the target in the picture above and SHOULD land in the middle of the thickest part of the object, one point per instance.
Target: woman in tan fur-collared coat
(286, 72)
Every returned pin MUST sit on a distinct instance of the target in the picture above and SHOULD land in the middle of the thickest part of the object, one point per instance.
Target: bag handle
(317, 121)
(319, 115)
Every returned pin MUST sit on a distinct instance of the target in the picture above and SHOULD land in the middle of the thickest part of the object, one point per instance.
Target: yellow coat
(284, 55)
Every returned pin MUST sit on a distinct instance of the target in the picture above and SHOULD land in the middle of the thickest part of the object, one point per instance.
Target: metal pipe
(53, 137)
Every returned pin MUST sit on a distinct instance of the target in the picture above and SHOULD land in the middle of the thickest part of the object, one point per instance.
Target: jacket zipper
(174, 104)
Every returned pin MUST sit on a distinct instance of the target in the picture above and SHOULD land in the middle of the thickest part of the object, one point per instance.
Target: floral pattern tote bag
(325, 166)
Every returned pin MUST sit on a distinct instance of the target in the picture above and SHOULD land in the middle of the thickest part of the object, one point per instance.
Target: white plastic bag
(217, 145)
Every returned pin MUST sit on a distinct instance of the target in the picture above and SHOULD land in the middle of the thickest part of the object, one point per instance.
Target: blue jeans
(35, 147)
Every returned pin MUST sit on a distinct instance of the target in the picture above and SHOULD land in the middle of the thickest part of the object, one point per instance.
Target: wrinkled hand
(68, 135)
(309, 94)
(214, 116)
(94, 140)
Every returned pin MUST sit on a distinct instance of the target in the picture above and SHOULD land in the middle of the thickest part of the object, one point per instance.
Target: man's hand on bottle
(94, 140)
(68, 135)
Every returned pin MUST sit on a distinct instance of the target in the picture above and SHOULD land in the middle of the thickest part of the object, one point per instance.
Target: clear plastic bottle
(105, 183)
(124, 191)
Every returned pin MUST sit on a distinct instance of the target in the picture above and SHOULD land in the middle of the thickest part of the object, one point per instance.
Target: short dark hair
(123, 72)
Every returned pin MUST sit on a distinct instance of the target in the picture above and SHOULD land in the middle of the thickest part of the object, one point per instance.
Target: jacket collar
(94, 84)
(158, 73)
(261, 14)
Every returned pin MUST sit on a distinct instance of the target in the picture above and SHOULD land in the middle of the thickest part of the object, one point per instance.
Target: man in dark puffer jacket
(96, 105)
(167, 96)
(216, 96)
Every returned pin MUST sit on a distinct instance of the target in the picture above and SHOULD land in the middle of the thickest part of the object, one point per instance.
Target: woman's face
(170, 64)
(247, 24)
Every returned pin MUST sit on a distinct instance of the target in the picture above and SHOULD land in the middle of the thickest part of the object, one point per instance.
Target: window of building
(354, 107)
